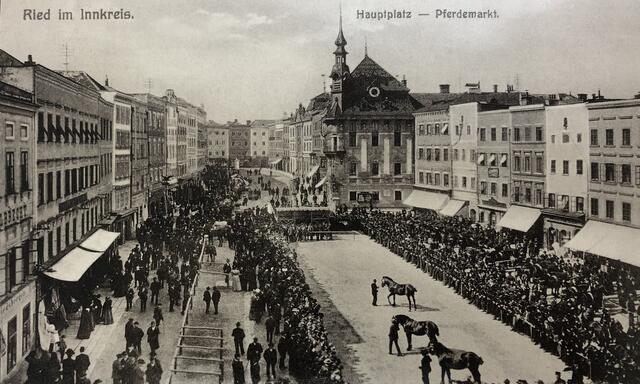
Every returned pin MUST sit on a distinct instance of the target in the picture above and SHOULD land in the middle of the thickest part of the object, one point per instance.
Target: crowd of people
(557, 301)
(284, 294)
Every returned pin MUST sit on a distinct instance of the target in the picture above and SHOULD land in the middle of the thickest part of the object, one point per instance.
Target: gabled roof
(370, 70)
(6, 60)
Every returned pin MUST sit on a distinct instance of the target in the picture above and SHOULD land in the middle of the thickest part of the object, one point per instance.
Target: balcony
(333, 147)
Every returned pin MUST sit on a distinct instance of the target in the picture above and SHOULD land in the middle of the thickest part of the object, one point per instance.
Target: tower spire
(365, 46)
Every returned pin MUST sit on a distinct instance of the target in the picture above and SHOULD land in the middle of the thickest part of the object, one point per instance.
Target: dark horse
(455, 359)
(418, 328)
(399, 289)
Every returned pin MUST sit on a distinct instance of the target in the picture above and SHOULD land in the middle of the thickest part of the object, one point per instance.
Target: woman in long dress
(235, 280)
(84, 331)
(107, 313)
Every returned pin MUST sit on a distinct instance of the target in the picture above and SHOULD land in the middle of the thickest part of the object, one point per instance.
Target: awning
(503, 159)
(519, 218)
(480, 158)
(73, 265)
(612, 241)
(99, 241)
(313, 171)
(172, 181)
(426, 200)
(321, 182)
(445, 128)
(452, 207)
(492, 158)
(276, 162)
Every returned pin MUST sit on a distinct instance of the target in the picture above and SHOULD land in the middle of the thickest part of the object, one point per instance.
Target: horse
(399, 289)
(418, 328)
(455, 359)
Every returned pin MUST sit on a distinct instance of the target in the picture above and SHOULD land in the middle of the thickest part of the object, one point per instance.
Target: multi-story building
(613, 229)
(295, 141)
(259, 143)
(157, 143)
(217, 142)
(370, 128)
(17, 284)
(171, 107)
(432, 157)
(463, 119)
(191, 124)
(494, 171)
(181, 138)
(201, 120)
(567, 156)
(286, 123)
(239, 138)
(122, 115)
(140, 161)
(528, 170)
(276, 145)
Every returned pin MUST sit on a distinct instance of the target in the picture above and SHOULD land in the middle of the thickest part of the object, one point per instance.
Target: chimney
(637, 96)
(444, 88)
(404, 81)
(509, 88)
(582, 97)
(248, 122)
(29, 60)
(593, 96)
(495, 88)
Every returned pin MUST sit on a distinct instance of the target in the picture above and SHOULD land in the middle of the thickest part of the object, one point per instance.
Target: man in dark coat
(143, 294)
(270, 325)
(238, 339)
(129, 297)
(117, 369)
(68, 368)
(254, 351)
(283, 349)
(136, 337)
(82, 364)
(227, 270)
(425, 366)
(155, 291)
(374, 292)
(153, 337)
(154, 369)
(206, 297)
(271, 358)
(393, 337)
(127, 333)
(238, 370)
(215, 296)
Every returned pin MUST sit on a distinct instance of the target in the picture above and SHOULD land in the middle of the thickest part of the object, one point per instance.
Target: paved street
(344, 268)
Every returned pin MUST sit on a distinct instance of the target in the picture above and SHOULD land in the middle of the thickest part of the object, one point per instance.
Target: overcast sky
(257, 59)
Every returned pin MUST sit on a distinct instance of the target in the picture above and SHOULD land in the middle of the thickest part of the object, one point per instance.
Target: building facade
(463, 118)
(259, 144)
(239, 139)
(201, 119)
(171, 108)
(217, 142)
(140, 161)
(567, 156)
(494, 171)
(17, 284)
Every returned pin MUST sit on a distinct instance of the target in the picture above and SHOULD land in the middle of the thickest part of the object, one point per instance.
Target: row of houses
(79, 157)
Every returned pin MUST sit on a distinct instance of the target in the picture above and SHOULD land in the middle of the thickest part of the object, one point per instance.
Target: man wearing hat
(138, 373)
(559, 379)
(68, 367)
(425, 366)
(238, 338)
(238, 370)
(393, 337)
(117, 367)
(82, 364)
(227, 270)
(154, 369)
(271, 358)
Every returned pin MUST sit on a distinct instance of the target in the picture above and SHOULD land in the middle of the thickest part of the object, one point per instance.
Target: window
(24, 171)
(565, 138)
(420, 153)
(626, 137)
(436, 179)
(352, 196)
(352, 139)
(516, 193)
(12, 343)
(436, 154)
(505, 190)
(527, 162)
(538, 133)
(10, 187)
(609, 137)
(539, 163)
(9, 131)
(626, 211)
(472, 155)
(553, 139)
(58, 184)
(445, 154)
(374, 169)
(516, 134)
(397, 138)
(445, 179)
(429, 178)
(420, 177)
(483, 134)
(483, 187)
(26, 329)
(578, 167)
(421, 130)
(398, 195)
(397, 168)
(609, 173)
(565, 167)
(464, 182)
(551, 200)
(42, 132)
(374, 138)
(527, 194)
(516, 162)
(353, 169)
(637, 174)
(493, 134)
(429, 151)
(609, 209)
(594, 206)
(594, 137)
(553, 166)
(505, 134)
(579, 204)
(595, 174)
(626, 173)
(67, 182)
(579, 137)
(527, 133)
(538, 196)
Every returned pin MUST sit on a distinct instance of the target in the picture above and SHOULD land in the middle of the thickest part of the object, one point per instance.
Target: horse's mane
(441, 347)
(387, 277)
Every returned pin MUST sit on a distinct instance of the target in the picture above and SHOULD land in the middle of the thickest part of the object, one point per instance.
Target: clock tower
(340, 69)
